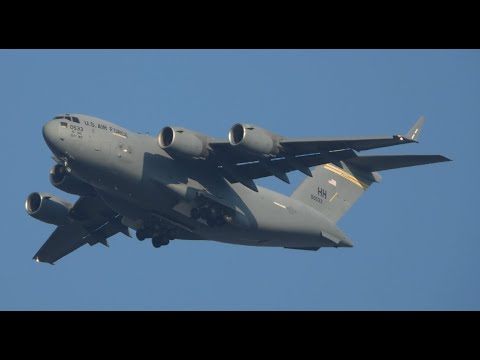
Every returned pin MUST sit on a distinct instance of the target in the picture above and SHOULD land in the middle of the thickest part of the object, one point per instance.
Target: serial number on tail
(316, 198)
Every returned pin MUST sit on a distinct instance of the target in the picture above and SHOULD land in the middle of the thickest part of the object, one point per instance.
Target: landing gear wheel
(141, 234)
(160, 240)
(157, 241)
(171, 234)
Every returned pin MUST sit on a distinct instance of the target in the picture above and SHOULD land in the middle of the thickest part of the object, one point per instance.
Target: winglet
(414, 133)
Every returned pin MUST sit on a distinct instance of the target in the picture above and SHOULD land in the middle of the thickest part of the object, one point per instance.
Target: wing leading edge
(303, 153)
(312, 145)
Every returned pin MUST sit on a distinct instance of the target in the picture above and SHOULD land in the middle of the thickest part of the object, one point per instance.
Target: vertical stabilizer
(334, 188)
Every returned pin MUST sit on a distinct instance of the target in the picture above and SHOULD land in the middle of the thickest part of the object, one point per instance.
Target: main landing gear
(160, 236)
(213, 215)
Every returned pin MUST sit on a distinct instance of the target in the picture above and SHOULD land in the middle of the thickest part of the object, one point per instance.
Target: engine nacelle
(48, 208)
(61, 179)
(183, 142)
(254, 139)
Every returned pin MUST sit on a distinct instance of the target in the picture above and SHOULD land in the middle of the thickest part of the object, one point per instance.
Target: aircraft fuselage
(142, 182)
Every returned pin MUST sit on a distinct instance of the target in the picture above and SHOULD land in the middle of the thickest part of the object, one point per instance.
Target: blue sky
(415, 234)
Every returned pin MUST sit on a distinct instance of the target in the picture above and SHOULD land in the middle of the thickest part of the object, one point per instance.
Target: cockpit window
(69, 118)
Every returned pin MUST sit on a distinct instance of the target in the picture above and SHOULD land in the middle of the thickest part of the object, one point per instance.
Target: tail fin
(334, 188)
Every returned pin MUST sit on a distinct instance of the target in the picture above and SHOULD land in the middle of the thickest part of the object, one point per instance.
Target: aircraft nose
(50, 134)
(48, 131)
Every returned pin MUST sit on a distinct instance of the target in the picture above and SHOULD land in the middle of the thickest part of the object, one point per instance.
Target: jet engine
(48, 208)
(61, 179)
(254, 139)
(183, 142)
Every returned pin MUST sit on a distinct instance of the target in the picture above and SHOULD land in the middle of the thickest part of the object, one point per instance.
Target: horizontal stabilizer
(387, 162)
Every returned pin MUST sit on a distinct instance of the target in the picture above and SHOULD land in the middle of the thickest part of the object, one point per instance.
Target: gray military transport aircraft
(186, 185)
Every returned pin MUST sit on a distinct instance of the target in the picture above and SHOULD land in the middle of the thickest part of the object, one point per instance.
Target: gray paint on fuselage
(133, 174)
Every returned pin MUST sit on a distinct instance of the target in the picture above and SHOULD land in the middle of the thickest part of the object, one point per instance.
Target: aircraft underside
(208, 223)
(188, 186)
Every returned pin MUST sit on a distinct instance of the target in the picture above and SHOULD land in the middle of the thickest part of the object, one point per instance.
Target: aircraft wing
(299, 154)
(303, 146)
(93, 222)
(312, 145)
